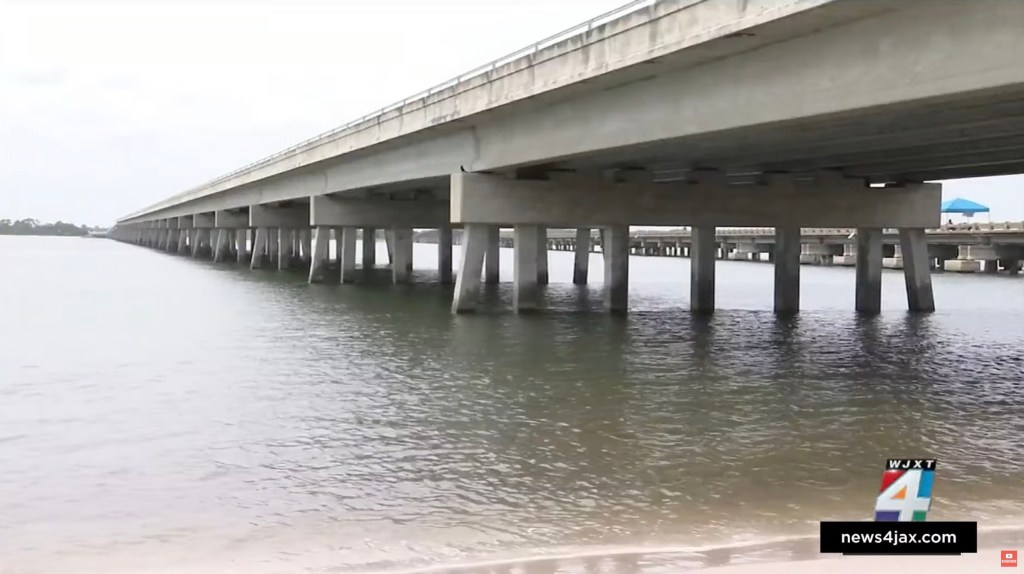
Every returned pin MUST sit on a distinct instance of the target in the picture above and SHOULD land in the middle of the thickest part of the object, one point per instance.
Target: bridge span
(701, 113)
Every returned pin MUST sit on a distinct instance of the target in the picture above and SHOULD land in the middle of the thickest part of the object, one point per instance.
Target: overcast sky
(107, 108)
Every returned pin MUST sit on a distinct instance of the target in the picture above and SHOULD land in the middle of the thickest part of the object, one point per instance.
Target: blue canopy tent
(963, 206)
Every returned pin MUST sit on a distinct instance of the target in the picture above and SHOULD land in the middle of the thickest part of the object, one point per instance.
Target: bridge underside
(980, 134)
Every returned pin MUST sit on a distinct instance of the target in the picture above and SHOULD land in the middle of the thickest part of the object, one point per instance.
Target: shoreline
(782, 555)
(985, 560)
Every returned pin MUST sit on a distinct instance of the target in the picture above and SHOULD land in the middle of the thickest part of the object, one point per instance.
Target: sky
(106, 108)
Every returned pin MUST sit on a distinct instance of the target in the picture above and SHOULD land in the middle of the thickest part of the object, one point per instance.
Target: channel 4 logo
(906, 493)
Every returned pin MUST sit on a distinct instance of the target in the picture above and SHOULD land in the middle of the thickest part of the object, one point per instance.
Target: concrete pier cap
(204, 220)
(779, 202)
(325, 210)
(231, 219)
(288, 216)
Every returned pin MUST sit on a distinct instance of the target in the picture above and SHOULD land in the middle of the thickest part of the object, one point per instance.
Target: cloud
(106, 108)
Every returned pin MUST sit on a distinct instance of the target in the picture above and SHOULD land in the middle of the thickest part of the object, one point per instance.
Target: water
(162, 414)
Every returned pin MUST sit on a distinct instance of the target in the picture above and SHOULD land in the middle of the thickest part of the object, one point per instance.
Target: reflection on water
(162, 413)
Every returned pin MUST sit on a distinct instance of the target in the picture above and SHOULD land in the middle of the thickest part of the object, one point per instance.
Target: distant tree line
(34, 227)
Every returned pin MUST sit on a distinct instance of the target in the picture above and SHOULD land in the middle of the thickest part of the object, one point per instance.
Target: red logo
(1008, 558)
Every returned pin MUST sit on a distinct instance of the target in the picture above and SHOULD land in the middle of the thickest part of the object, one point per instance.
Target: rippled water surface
(163, 414)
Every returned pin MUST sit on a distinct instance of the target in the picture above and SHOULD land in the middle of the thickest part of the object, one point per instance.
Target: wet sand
(986, 560)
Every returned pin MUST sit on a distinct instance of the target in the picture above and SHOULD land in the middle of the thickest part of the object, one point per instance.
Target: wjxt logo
(906, 493)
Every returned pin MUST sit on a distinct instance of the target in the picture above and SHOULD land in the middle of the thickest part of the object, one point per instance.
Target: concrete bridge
(699, 113)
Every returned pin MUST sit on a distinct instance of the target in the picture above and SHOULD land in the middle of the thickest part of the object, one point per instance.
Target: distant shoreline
(8, 234)
(33, 227)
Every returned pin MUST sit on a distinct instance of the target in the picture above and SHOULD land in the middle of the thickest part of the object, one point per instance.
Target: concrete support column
(869, 270)
(493, 256)
(581, 263)
(849, 256)
(467, 285)
(241, 238)
(542, 255)
(742, 252)
(183, 241)
(220, 249)
(896, 261)
(347, 254)
(702, 269)
(272, 244)
(284, 248)
(525, 290)
(259, 247)
(172, 239)
(306, 240)
(916, 271)
(444, 253)
(815, 254)
(202, 240)
(369, 247)
(389, 243)
(616, 269)
(787, 269)
(318, 252)
(964, 263)
(401, 262)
